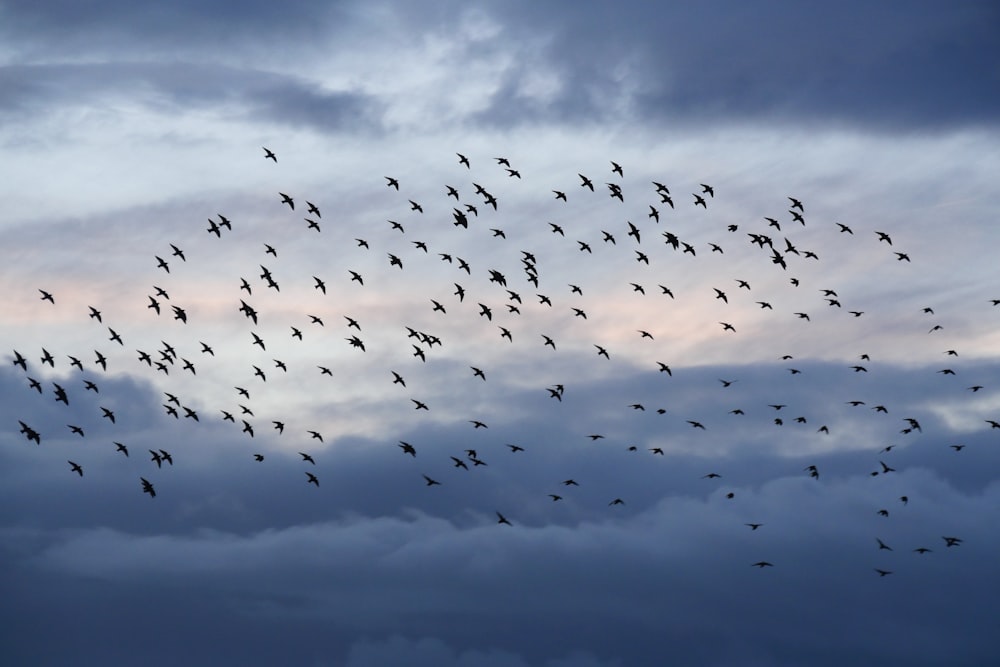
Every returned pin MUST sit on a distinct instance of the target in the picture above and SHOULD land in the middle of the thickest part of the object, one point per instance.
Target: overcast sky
(806, 382)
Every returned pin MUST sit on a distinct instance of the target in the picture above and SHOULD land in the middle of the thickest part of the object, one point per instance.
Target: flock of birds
(491, 301)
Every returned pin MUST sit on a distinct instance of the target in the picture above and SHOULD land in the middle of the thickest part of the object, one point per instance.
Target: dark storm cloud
(887, 66)
(375, 553)
(164, 87)
(617, 589)
(59, 27)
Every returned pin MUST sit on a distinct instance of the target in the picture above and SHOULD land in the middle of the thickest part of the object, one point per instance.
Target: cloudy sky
(863, 337)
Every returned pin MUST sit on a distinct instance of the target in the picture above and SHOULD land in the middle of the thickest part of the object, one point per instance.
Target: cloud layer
(130, 132)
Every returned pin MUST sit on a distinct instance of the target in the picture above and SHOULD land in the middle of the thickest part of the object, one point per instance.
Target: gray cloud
(884, 68)
(163, 88)
(377, 554)
(879, 68)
